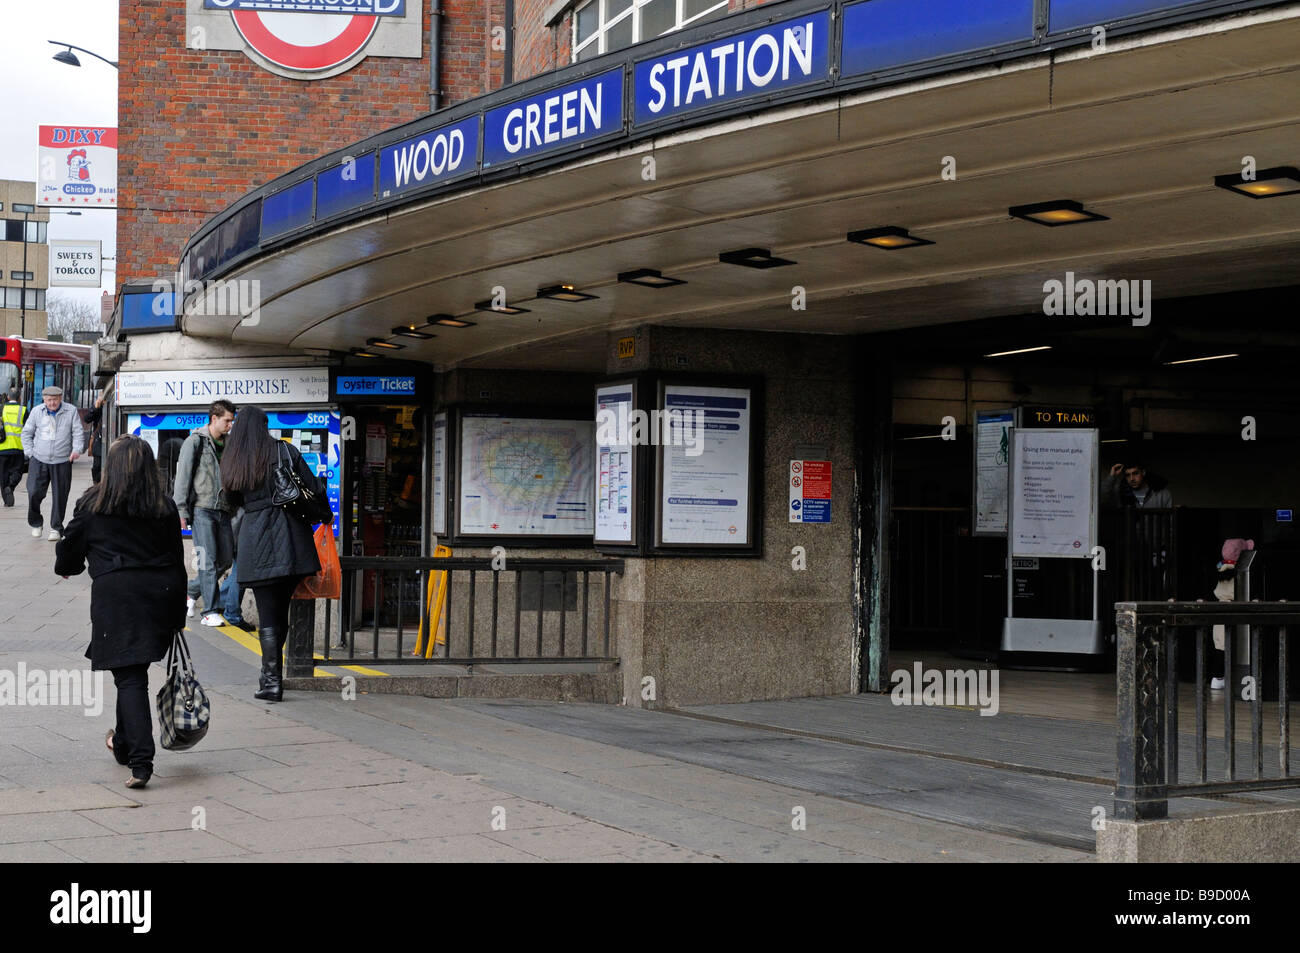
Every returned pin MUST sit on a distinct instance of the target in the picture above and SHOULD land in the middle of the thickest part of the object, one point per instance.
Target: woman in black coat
(276, 549)
(128, 529)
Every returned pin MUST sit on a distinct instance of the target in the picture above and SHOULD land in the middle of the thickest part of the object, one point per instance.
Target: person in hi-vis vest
(11, 447)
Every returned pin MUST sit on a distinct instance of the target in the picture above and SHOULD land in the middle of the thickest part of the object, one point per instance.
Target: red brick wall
(200, 128)
(538, 48)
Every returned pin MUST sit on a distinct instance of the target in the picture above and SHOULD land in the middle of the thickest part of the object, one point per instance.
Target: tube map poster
(526, 477)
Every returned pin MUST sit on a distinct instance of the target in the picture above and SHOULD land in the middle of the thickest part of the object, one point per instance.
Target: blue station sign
(432, 157)
(779, 56)
(849, 44)
(554, 120)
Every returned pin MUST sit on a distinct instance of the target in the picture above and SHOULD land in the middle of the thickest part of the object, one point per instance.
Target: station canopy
(1136, 133)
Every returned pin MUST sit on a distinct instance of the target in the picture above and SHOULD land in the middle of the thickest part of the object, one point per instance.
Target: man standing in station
(53, 438)
(198, 497)
(11, 447)
(1135, 489)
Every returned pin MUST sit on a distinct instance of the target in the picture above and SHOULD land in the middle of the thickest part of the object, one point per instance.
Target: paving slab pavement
(387, 778)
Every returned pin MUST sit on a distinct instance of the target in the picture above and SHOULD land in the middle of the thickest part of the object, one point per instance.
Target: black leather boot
(271, 689)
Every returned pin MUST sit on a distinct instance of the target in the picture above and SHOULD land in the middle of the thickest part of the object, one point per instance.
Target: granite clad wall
(734, 629)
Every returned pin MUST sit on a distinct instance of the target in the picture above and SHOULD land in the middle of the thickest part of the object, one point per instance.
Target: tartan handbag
(183, 708)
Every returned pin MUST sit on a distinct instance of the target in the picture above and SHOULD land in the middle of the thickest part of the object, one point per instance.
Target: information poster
(615, 505)
(992, 456)
(1053, 493)
(526, 476)
(705, 466)
(440, 475)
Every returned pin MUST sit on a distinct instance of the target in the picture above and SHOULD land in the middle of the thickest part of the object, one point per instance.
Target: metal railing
(532, 611)
(1141, 548)
(1150, 636)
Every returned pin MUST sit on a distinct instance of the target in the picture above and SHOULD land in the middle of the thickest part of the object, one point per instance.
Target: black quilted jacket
(273, 545)
(137, 593)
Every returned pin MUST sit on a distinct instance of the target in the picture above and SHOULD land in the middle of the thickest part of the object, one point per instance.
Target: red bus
(28, 367)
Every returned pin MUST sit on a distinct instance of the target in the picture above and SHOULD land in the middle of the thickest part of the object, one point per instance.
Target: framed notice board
(708, 466)
(621, 428)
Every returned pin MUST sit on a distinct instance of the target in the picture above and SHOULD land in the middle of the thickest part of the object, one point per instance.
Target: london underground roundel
(305, 42)
(307, 39)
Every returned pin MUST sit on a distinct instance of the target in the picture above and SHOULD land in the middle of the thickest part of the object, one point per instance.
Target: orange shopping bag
(328, 583)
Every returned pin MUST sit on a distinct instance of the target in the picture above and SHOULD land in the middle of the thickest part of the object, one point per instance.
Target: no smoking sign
(810, 491)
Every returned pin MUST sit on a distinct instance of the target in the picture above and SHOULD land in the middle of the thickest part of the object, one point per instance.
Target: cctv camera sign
(307, 39)
(76, 167)
(75, 264)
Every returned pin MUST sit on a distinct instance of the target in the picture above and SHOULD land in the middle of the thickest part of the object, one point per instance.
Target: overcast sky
(35, 91)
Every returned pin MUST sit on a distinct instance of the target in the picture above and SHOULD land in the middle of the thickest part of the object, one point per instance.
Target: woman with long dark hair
(127, 527)
(276, 548)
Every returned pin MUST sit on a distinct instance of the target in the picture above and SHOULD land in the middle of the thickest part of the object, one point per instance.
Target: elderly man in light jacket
(53, 437)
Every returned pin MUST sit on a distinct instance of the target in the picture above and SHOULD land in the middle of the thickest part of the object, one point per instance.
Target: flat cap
(52, 391)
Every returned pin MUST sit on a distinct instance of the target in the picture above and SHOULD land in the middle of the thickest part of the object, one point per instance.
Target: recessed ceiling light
(1060, 212)
(1267, 184)
(504, 309)
(564, 293)
(358, 352)
(1023, 350)
(890, 238)
(408, 331)
(388, 345)
(753, 258)
(648, 278)
(1212, 357)
(447, 321)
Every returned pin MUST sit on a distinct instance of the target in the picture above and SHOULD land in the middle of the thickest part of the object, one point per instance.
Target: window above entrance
(603, 26)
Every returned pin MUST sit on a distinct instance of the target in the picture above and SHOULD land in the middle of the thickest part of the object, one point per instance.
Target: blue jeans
(231, 598)
(214, 548)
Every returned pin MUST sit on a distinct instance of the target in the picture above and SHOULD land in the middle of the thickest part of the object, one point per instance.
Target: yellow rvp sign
(626, 348)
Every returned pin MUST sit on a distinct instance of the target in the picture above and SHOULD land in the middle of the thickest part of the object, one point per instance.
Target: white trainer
(54, 536)
(36, 533)
(189, 607)
(212, 618)
(1216, 684)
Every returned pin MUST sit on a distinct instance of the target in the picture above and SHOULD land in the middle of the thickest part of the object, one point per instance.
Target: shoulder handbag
(183, 707)
(289, 491)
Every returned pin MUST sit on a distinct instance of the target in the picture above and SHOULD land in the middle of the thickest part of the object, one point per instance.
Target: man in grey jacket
(197, 493)
(53, 437)
(1135, 489)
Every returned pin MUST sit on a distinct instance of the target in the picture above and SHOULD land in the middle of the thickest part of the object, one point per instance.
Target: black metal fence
(1151, 635)
(925, 560)
(1142, 548)
(463, 611)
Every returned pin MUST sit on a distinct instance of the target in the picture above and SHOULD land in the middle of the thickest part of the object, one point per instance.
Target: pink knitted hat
(1233, 548)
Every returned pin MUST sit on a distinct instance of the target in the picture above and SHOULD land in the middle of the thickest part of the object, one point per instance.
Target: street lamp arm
(84, 50)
